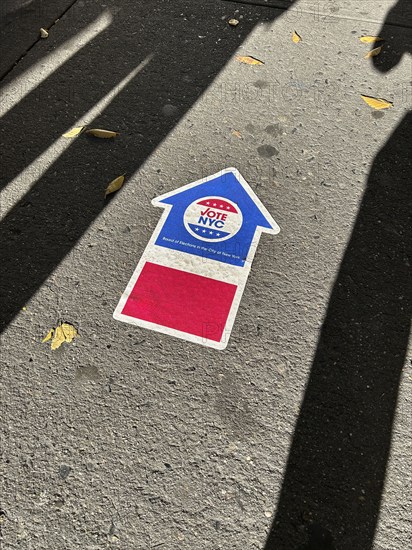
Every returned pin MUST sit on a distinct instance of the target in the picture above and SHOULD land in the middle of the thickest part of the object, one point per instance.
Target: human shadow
(398, 41)
(188, 46)
(335, 473)
(334, 479)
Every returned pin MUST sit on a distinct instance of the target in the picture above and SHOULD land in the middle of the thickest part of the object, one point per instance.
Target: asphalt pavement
(297, 436)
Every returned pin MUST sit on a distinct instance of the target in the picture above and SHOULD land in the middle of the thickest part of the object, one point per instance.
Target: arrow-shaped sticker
(191, 276)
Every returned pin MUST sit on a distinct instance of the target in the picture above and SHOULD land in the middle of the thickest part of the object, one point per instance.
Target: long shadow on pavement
(332, 489)
(336, 468)
(190, 44)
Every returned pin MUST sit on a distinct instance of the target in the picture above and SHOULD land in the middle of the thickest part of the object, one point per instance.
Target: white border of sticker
(203, 266)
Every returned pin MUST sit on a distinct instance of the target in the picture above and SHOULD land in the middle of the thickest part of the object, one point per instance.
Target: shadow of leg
(336, 469)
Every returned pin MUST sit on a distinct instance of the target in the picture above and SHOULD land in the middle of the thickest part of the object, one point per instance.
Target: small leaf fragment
(237, 134)
(377, 103)
(374, 52)
(114, 185)
(69, 332)
(74, 132)
(249, 60)
(62, 333)
(296, 37)
(43, 33)
(49, 336)
(233, 22)
(104, 134)
(370, 39)
(58, 338)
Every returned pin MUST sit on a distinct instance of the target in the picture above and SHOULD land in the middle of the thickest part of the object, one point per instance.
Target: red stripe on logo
(218, 204)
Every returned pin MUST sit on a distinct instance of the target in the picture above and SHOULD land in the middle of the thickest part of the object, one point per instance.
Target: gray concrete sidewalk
(297, 436)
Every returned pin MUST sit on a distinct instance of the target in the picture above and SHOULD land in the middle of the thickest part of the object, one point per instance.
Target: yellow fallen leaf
(63, 333)
(370, 39)
(237, 134)
(69, 332)
(74, 132)
(58, 338)
(296, 38)
(114, 185)
(43, 33)
(377, 103)
(374, 52)
(98, 132)
(249, 60)
(49, 335)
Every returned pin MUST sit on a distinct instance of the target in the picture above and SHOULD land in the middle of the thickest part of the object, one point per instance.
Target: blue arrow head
(228, 184)
(217, 218)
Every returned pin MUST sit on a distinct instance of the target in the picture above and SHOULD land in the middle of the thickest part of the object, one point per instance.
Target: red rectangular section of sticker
(180, 300)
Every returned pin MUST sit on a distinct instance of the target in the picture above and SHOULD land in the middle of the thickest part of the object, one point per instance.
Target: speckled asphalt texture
(298, 435)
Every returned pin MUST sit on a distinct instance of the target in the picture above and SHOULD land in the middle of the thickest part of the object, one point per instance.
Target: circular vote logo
(213, 219)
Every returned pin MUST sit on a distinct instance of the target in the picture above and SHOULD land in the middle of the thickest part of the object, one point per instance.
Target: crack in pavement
(23, 55)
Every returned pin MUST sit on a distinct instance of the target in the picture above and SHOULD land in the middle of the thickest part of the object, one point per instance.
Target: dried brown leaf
(115, 185)
(370, 39)
(100, 133)
(249, 60)
(374, 52)
(377, 103)
(74, 132)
